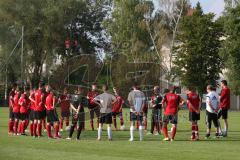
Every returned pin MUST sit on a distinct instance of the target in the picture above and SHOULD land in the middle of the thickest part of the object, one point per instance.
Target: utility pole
(22, 70)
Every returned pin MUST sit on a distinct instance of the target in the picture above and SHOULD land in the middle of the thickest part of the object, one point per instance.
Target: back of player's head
(105, 87)
(41, 85)
(210, 88)
(14, 86)
(135, 85)
(224, 82)
(172, 89)
(156, 89)
(191, 88)
(166, 91)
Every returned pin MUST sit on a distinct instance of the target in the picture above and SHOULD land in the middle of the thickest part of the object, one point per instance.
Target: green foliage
(197, 60)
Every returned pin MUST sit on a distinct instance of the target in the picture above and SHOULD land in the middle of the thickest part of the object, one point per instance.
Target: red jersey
(40, 98)
(117, 107)
(172, 102)
(23, 104)
(91, 95)
(64, 103)
(32, 104)
(193, 98)
(225, 98)
(49, 102)
(11, 96)
(16, 106)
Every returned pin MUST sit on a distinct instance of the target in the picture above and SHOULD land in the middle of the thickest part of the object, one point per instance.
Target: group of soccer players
(30, 106)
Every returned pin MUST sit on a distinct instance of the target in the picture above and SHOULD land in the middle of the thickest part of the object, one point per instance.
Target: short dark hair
(224, 82)
(105, 87)
(211, 88)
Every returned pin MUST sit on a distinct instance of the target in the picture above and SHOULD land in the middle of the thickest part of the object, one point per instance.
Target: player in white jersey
(212, 107)
(136, 99)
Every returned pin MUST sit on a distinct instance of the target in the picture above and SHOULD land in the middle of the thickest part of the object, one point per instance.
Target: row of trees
(200, 46)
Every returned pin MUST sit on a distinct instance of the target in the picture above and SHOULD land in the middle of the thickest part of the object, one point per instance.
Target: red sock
(165, 131)
(10, 126)
(39, 128)
(121, 121)
(15, 127)
(115, 122)
(44, 123)
(31, 129)
(91, 124)
(20, 127)
(61, 123)
(174, 130)
(56, 130)
(67, 122)
(137, 125)
(193, 131)
(196, 130)
(145, 124)
(34, 129)
(83, 124)
(26, 124)
(49, 130)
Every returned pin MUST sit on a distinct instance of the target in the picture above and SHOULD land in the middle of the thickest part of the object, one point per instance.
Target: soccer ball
(67, 128)
(122, 128)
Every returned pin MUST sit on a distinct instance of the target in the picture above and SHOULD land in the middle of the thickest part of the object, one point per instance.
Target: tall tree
(231, 47)
(197, 60)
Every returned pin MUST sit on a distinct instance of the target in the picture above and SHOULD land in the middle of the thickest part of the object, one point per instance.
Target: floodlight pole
(22, 54)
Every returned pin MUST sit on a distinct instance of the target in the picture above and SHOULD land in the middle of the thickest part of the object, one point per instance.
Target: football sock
(145, 124)
(196, 131)
(109, 130)
(165, 131)
(121, 121)
(39, 128)
(26, 124)
(131, 132)
(34, 129)
(193, 131)
(141, 132)
(115, 122)
(174, 130)
(67, 122)
(56, 128)
(10, 126)
(49, 130)
(91, 124)
(79, 132)
(31, 129)
(15, 128)
(71, 131)
(44, 123)
(61, 123)
(99, 132)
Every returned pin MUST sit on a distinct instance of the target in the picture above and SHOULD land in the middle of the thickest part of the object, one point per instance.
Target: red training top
(225, 98)
(172, 101)
(117, 107)
(91, 95)
(64, 103)
(23, 104)
(16, 106)
(11, 95)
(49, 102)
(40, 98)
(193, 98)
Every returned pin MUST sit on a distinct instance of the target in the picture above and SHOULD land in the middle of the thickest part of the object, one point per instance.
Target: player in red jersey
(39, 114)
(93, 107)
(193, 103)
(52, 117)
(24, 105)
(16, 111)
(172, 101)
(224, 105)
(32, 110)
(64, 101)
(11, 102)
(117, 109)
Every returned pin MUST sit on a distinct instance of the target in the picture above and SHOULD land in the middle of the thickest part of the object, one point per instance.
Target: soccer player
(193, 103)
(52, 117)
(172, 102)
(24, 106)
(212, 103)
(105, 102)
(78, 101)
(117, 109)
(39, 115)
(64, 101)
(224, 105)
(32, 110)
(11, 102)
(136, 99)
(93, 108)
(16, 111)
(156, 106)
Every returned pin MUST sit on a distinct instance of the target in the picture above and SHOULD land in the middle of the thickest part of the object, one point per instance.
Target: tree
(197, 60)
(231, 47)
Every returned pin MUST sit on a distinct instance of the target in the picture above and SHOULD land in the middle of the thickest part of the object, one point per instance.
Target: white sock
(141, 132)
(99, 132)
(109, 129)
(131, 132)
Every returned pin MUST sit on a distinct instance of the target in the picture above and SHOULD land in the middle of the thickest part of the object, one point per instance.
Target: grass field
(28, 148)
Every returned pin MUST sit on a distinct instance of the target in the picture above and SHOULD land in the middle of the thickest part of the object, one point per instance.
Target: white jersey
(137, 99)
(213, 98)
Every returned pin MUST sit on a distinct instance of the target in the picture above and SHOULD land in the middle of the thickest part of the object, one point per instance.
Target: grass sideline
(28, 148)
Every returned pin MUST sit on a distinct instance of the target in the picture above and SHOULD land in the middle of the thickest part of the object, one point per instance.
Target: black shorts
(193, 116)
(39, 115)
(52, 116)
(16, 115)
(157, 115)
(65, 114)
(31, 115)
(211, 117)
(115, 114)
(223, 113)
(134, 117)
(106, 118)
(173, 119)
(95, 110)
(11, 115)
(23, 116)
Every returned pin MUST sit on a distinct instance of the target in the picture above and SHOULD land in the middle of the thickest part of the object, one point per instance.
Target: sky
(214, 6)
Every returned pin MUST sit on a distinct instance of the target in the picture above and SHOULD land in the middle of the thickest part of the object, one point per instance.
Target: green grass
(28, 148)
